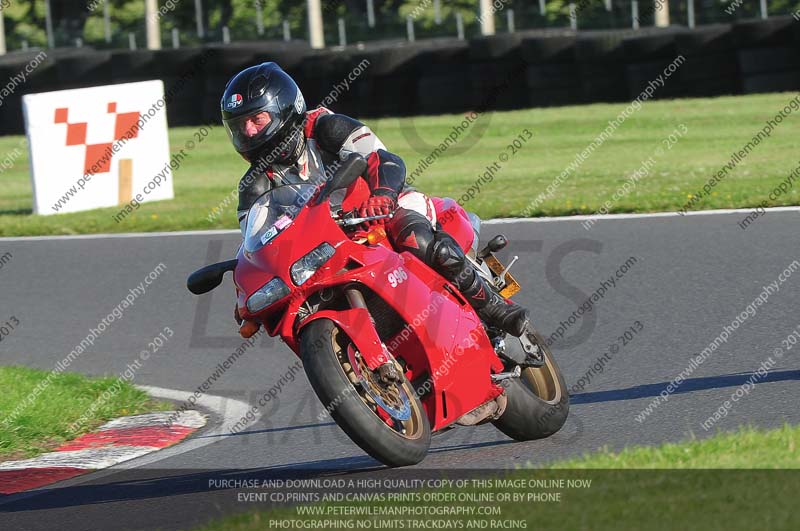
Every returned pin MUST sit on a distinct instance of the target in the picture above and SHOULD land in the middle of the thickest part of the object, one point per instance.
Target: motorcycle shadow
(688, 385)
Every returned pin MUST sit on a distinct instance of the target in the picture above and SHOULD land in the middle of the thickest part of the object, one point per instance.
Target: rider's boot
(449, 260)
(412, 232)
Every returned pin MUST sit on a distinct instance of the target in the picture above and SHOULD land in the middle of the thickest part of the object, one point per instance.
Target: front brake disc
(400, 406)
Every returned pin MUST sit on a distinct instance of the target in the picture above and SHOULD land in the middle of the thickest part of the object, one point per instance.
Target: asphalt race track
(690, 277)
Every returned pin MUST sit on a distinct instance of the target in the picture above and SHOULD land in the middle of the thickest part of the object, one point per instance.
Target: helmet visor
(252, 130)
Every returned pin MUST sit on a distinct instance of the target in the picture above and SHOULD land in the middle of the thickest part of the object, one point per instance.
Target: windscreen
(273, 212)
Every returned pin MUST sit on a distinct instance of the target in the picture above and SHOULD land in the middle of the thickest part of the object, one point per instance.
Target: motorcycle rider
(265, 116)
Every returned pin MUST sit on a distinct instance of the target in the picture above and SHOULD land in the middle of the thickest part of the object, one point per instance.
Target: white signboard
(98, 147)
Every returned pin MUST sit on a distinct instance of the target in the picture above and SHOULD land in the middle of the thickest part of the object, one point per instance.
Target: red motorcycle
(392, 350)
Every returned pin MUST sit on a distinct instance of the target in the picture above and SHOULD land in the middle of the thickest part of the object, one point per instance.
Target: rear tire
(538, 401)
(325, 359)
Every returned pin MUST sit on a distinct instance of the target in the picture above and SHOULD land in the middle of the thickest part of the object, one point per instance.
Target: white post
(198, 17)
(315, 24)
(437, 12)
(410, 29)
(259, 18)
(542, 7)
(662, 14)
(635, 14)
(107, 22)
(176, 38)
(152, 24)
(287, 31)
(24, 46)
(573, 17)
(132, 41)
(510, 20)
(48, 22)
(608, 5)
(460, 26)
(342, 33)
(371, 13)
(690, 9)
(226, 35)
(487, 17)
(2, 35)
(78, 43)
(764, 13)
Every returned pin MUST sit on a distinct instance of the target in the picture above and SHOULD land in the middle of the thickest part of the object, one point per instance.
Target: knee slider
(447, 254)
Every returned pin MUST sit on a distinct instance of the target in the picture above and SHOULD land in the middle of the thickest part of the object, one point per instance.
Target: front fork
(387, 371)
(358, 325)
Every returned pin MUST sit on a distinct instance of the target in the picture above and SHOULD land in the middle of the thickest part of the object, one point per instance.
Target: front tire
(538, 401)
(336, 382)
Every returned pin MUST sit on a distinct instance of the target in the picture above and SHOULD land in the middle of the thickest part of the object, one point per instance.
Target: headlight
(310, 263)
(268, 294)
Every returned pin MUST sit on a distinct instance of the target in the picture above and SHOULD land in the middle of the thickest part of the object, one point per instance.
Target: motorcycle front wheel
(386, 421)
(538, 401)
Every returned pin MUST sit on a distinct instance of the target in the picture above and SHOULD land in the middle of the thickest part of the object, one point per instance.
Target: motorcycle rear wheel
(336, 382)
(538, 401)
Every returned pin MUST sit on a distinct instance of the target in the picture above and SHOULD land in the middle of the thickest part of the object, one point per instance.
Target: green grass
(716, 128)
(746, 448)
(45, 423)
(666, 487)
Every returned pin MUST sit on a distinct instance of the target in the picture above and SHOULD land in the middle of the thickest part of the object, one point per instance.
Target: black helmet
(263, 111)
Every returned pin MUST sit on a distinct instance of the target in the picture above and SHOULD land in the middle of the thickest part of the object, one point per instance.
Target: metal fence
(198, 22)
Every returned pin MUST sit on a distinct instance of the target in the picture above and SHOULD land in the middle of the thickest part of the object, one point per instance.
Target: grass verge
(45, 423)
(716, 483)
(715, 128)
(746, 448)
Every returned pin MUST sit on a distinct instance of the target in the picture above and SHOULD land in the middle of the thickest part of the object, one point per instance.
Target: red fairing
(442, 341)
(454, 221)
(357, 193)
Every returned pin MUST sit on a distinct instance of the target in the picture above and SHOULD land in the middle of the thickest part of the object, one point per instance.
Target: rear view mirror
(350, 169)
(205, 279)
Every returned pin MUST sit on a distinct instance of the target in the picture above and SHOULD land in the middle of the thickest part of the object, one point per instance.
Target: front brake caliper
(388, 373)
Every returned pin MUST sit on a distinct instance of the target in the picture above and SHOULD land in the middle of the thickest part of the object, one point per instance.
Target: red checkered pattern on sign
(98, 156)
